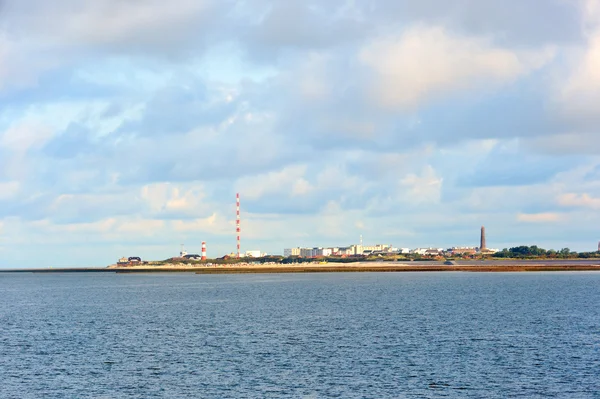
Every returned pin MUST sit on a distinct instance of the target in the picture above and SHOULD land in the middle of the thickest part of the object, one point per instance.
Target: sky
(127, 127)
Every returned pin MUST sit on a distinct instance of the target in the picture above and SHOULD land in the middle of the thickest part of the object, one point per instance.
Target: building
(428, 251)
(131, 261)
(306, 252)
(462, 250)
(345, 251)
(369, 249)
(253, 254)
(287, 252)
(323, 252)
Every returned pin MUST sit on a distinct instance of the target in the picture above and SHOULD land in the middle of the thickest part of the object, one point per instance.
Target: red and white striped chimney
(237, 223)
(203, 250)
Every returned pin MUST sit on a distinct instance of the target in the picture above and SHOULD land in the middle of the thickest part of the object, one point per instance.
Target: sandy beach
(486, 266)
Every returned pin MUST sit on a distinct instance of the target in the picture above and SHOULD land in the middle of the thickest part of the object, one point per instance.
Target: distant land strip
(328, 268)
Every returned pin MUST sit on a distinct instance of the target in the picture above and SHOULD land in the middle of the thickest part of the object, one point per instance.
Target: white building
(287, 252)
(253, 254)
(323, 252)
(428, 251)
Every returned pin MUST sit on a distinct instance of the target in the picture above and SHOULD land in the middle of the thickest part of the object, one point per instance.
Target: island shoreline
(370, 267)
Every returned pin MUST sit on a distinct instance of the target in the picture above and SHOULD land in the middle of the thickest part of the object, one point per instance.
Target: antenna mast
(237, 223)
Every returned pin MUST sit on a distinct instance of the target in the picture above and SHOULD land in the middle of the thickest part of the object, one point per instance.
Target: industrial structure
(482, 244)
(237, 223)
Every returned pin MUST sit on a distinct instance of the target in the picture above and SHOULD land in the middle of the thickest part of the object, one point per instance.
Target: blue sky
(127, 127)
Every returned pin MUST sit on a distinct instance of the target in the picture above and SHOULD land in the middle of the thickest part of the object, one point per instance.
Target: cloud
(577, 91)
(430, 62)
(424, 188)
(175, 200)
(580, 94)
(71, 208)
(565, 144)
(288, 182)
(9, 189)
(591, 13)
(279, 29)
(522, 25)
(579, 201)
(547, 217)
(21, 138)
(510, 165)
(98, 227)
(142, 227)
(214, 224)
(149, 24)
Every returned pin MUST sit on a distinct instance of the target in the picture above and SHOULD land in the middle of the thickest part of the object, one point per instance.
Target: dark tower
(482, 245)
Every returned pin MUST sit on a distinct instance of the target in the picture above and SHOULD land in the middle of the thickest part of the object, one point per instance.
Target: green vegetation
(534, 252)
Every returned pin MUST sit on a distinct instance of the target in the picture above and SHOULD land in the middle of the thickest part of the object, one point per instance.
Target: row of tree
(535, 251)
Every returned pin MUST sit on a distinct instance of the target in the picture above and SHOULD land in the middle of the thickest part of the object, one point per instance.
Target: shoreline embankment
(390, 267)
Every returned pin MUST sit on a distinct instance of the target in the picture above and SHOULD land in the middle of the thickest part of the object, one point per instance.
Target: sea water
(340, 335)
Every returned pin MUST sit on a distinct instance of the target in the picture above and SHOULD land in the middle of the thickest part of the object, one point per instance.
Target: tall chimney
(482, 244)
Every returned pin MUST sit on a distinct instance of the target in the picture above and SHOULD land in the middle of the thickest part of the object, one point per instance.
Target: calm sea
(356, 335)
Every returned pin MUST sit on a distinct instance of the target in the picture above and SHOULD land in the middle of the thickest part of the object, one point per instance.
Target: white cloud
(16, 67)
(580, 94)
(215, 224)
(301, 187)
(289, 180)
(167, 197)
(9, 189)
(20, 138)
(311, 77)
(141, 226)
(579, 201)
(424, 188)
(546, 217)
(591, 13)
(428, 62)
(336, 177)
